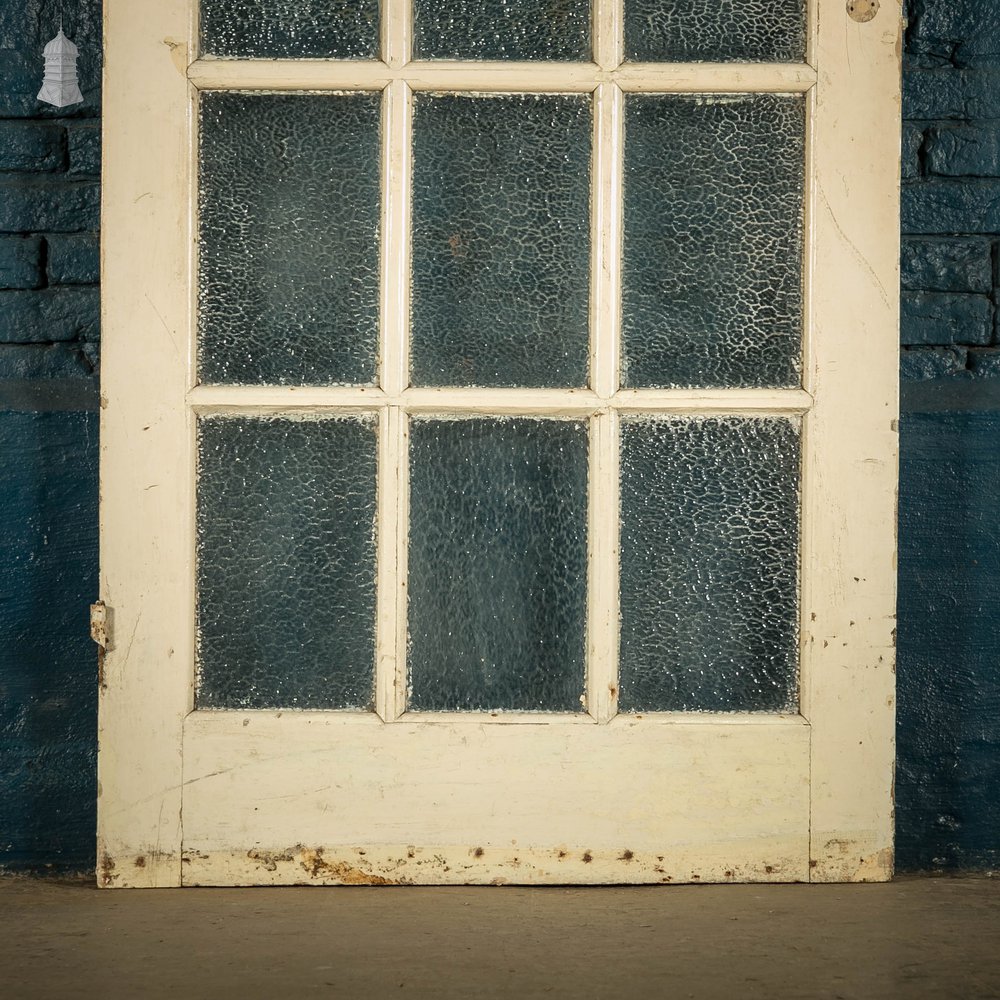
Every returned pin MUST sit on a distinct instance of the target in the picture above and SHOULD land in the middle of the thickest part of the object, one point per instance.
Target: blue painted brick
(948, 766)
(917, 364)
(27, 362)
(964, 151)
(84, 149)
(32, 206)
(944, 207)
(20, 262)
(53, 314)
(913, 139)
(985, 362)
(954, 32)
(946, 265)
(74, 258)
(943, 318)
(48, 670)
(32, 146)
(935, 94)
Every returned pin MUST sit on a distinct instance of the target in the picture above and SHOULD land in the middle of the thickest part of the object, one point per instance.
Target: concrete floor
(912, 938)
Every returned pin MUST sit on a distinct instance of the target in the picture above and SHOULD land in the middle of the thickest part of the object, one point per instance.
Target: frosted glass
(709, 564)
(715, 30)
(713, 245)
(501, 29)
(497, 564)
(289, 256)
(286, 562)
(501, 240)
(290, 29)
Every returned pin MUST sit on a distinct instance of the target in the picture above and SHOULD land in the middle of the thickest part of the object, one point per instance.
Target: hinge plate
(99, 624)
(100, 632)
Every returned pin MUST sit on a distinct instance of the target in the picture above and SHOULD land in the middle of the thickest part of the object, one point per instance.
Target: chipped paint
(179, 54)
(106, 875)
(477, 865)
(100, 632)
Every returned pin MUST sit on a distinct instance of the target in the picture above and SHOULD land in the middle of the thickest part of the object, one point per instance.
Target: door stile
(851, 446)
(146, 516)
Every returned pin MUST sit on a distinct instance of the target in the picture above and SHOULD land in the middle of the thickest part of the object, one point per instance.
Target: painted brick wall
(948, 783)
(49, 328)
(948, 676)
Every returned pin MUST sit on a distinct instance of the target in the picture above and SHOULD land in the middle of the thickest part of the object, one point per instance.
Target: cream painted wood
(851, 439)
(490, 77)
(458, 801)
(238, 398)
(395, 796)
(146, 503)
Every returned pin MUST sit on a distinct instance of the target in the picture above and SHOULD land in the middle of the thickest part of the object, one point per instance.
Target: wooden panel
(304, 797)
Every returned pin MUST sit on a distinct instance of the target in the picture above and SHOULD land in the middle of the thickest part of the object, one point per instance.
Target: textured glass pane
(497, 564)
(712, 268)
(286, 563)
(501, 29)
(290, 29)
(715, 30)
(289, 256)
(709, 564)
(501, 240)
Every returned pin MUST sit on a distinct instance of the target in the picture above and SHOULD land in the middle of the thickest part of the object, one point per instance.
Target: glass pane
(709, 564)
(286, 562)
(715, 30)
(497, 564)
(290, 29)
(712, 265)
(501, 29)
(289, 259)
(501, 240)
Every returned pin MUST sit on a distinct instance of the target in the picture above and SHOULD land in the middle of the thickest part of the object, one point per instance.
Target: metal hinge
(100, 632)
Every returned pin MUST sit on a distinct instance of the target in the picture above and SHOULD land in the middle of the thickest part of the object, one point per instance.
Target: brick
(985, 363)
(20, 262)
(936, 94)
(50, 315)
(917, 364)
(942, 318)
(43, 361)
(32, 205)
(74, 259)
(964, 151)
(946, 207)
(32, 146)
(84, 149)
(913, 139)
(945, 265)
(962, 34)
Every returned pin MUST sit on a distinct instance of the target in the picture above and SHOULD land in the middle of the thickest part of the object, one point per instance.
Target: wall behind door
(49, 325)
(948, 782)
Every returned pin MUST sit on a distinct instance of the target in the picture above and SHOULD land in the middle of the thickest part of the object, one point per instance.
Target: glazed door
(498, 442)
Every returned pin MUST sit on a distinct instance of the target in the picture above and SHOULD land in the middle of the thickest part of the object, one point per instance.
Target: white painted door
(499, 439)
